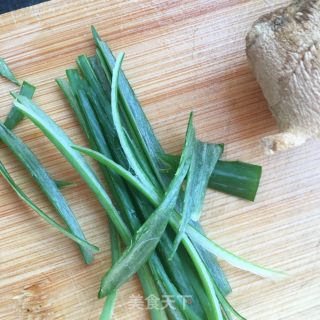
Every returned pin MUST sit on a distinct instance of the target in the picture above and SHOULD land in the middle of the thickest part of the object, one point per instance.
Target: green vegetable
(15, 116)
(56, 135)
(6, 72)
(226, 255)
(63, 144)
(236, 178)
(109, 305)
(175, 221)
(204, 159)
(134, 159)
(125, 144)
(51, 221)
(148, 236)
(91, 126)
(46, 183)
(144, 136)
(141, 127)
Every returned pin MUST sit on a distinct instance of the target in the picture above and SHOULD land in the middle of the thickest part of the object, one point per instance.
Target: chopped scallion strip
(43, 215)
(6, 72)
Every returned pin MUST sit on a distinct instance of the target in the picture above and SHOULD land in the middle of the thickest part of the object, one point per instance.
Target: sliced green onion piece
(204, 158)
(15, 116)
(43, 215)
(149, 234)
(62, 142)
(231, 258)
(6, 72)
(46, 183)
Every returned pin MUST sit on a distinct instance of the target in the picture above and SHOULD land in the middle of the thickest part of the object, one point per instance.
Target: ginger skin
(283, 49)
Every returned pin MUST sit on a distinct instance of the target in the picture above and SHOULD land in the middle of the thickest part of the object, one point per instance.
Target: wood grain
(181, 55)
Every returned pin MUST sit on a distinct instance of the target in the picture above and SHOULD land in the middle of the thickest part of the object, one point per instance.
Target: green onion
(109, 305)
(151, 148)
(129, 153)
(46, 183)
(51, 221)
(90, 125)
(236, 178)
(148, 236)
(6, 72)
(63, 144)
(192, 231)
(231, 258)
(204, 158)
(15, 116)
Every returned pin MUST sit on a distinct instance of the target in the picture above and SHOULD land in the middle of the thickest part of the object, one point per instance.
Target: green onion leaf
(236, 178)
(91, 126)
(121, 133)
(46, 183)
(204, 158)
(51, 221)
(110, 302)
(195, 234)
(6, 72)
(15, 116)
(231, 258)
(62, 142)
(148, 236)
(137, 119)
(144, 136)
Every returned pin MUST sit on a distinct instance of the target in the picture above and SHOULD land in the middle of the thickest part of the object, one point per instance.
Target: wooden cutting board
(181, 56)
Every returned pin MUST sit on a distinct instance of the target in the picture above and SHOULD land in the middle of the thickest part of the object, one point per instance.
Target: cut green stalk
(212, 264)
(43, 215)
(121, 134)
(137, 119)
(203, 162)
(46, 183)
(6, 72)
(63, 144)
(154, 264)
(185, 310)
(109, 305)
(153, 229)
(15, 116)
(118, 187)
(67, 90)
(145, 137)
(182, 282)
(91, 126)
(101, 104)
(195, 235)
(226, 305)
(236, 178)
(148, 236)
(228, 256)
(57, 136)
(206, 279)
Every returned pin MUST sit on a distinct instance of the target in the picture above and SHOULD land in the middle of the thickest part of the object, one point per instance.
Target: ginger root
(283, 48)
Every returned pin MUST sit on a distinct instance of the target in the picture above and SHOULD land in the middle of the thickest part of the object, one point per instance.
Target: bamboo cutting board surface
(181, 56)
